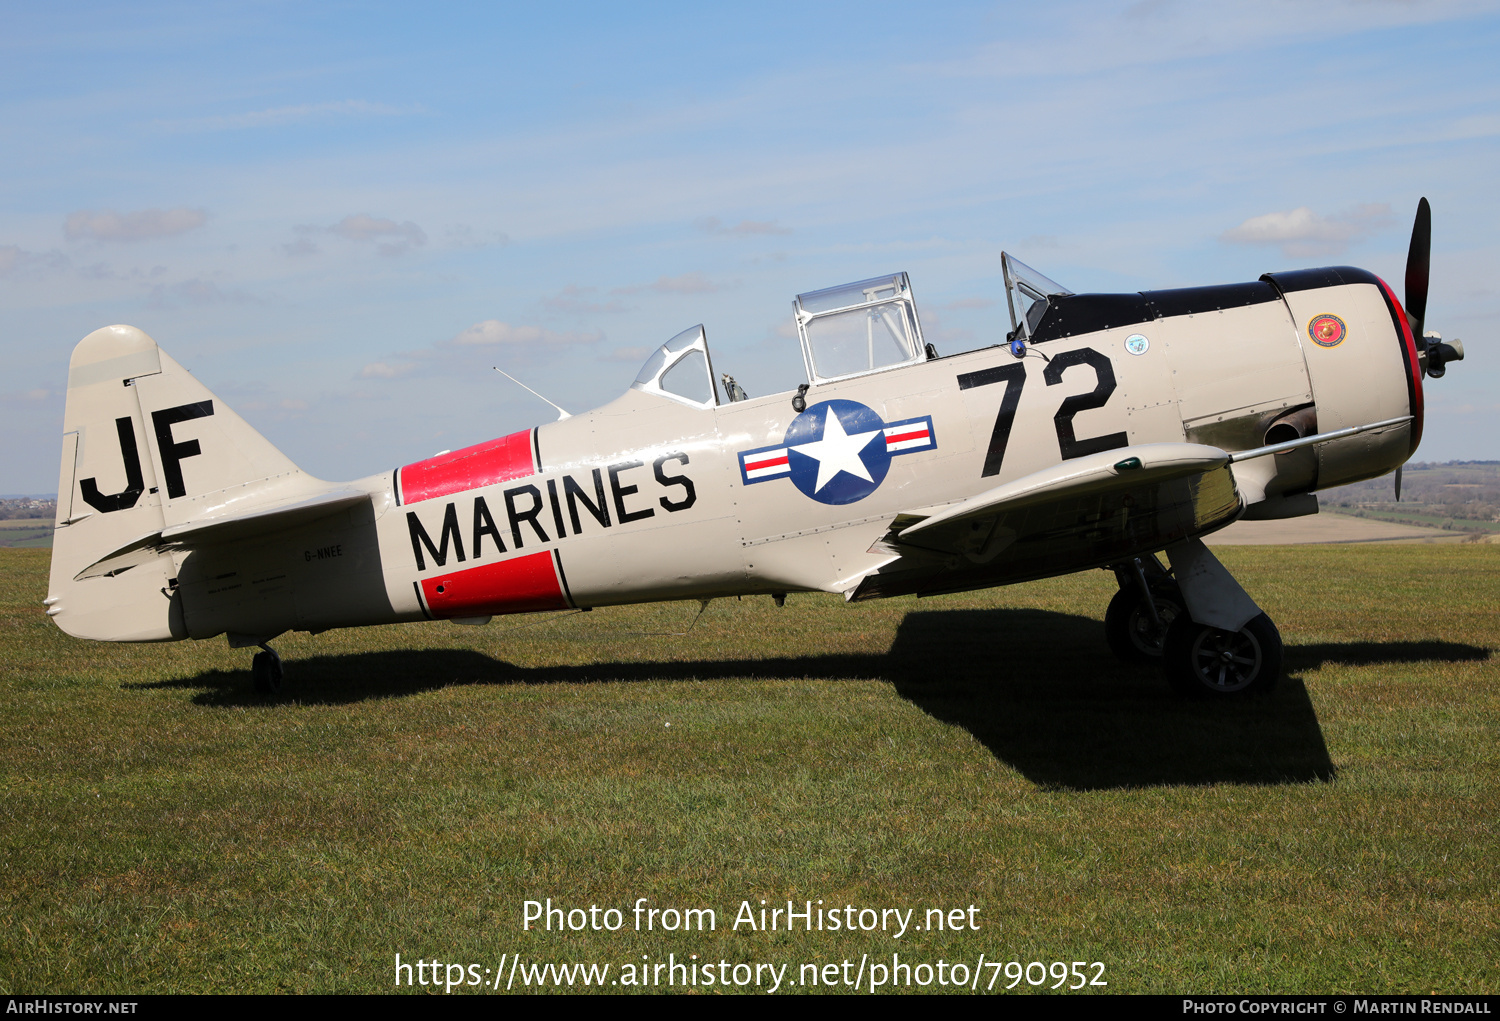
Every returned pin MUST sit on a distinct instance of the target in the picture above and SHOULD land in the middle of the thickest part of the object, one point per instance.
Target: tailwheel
(1133, 635)
(266, 672)
(1208, 661)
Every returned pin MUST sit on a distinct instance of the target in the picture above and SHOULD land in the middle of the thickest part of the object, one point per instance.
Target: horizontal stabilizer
(247, 524)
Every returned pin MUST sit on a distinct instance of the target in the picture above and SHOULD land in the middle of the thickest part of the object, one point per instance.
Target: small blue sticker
(1136, 344)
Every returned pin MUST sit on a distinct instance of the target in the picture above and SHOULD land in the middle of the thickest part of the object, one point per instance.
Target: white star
(837, 451)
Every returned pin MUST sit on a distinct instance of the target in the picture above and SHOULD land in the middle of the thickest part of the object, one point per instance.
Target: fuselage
(649, 498)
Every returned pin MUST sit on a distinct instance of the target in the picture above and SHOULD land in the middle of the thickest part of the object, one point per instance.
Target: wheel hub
(1226, 661)
(1146, 635)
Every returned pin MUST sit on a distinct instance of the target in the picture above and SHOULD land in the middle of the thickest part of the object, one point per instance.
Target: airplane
(1102, 431)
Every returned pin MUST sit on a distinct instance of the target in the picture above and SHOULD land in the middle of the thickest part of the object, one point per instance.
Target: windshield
(1026, 292)
(680, 369)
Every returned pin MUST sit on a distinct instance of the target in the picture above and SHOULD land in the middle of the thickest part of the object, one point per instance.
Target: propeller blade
(1418, 267)
(1398, 482)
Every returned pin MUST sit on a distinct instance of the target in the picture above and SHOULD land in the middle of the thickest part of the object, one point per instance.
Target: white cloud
(289, 114)
(745, 228)
(194, 292)
(104, 271)
(493, 331)
(633, 355)
(461, 235)
(945, 337)
(1301, 232)
(578, 300)
(14, 259)
(458, 355)
(25, 398)
(109, 225)
(1476, 126)
(1071, 38)
(385, 370)
(388, 236)
(686, 283)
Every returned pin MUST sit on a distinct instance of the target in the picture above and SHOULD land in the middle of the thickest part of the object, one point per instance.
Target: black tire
(1209, 662)
(265, 671)
(1128, 628)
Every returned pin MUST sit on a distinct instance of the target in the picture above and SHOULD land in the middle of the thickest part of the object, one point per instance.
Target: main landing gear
(1195, 622)
(1136, 623)
(1203, 660)
(265, 671)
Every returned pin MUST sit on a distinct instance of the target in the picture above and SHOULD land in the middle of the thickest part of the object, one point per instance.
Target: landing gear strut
(265, 671)
(1136, 623)
(1196, 623)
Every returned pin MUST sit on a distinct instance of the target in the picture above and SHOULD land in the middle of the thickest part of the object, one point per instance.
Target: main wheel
(265, 671)
(1127, 623)
(1202, 660)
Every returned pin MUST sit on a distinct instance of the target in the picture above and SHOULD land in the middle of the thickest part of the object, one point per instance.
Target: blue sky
(340, 216)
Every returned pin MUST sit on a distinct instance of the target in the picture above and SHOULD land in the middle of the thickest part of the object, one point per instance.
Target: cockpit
(863, 327)
(851, 330)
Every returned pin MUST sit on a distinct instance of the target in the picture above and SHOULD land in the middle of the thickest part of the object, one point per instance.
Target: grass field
(165, 830)
(1434, 519)
(26, 533)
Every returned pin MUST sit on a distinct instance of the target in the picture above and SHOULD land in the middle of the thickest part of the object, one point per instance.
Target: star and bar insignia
(837, 451)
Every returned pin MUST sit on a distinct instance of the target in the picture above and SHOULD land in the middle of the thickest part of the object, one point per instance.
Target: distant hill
(1462, 496)
(26, 520)
(27, 507)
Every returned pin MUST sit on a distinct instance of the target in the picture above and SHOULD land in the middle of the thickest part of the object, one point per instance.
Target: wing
(1086, 512)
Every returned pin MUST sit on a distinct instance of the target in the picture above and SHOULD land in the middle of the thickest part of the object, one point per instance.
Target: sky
(339, 217)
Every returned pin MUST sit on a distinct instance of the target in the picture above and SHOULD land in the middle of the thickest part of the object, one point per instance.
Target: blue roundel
(836, 451)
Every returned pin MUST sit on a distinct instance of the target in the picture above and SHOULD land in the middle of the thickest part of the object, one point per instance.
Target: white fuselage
(650, 498)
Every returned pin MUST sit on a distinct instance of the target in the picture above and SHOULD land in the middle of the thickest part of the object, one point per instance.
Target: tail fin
(145, 447)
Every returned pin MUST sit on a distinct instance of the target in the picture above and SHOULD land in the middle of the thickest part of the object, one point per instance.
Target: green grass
(165, 830)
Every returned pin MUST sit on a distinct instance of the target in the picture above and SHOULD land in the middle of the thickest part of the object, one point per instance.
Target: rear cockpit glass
(860, 327)
(849, 342)
(680, 369)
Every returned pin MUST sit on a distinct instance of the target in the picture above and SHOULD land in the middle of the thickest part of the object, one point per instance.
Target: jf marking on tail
(1104, 430)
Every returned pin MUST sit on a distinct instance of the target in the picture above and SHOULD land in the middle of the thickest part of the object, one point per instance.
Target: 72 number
(1013, 375)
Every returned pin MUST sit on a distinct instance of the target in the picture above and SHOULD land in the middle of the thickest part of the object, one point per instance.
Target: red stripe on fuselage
(518, 585)
(461, 470)
(1413, 364)
(920, 434)
(751, 466)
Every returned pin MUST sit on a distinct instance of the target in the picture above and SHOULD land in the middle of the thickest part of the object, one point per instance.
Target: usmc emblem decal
(1327, 330)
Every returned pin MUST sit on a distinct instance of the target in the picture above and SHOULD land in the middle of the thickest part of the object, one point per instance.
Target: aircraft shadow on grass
(1037, 688)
